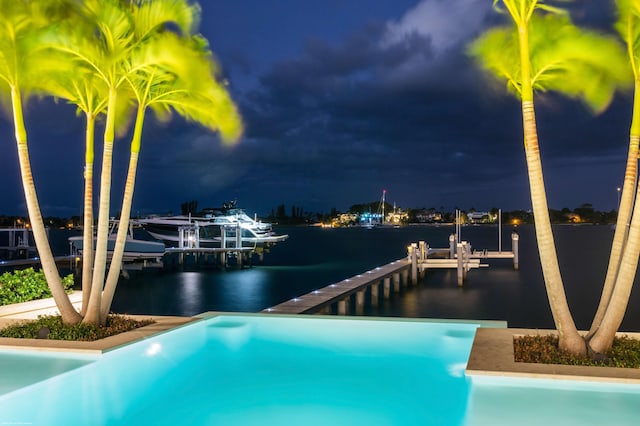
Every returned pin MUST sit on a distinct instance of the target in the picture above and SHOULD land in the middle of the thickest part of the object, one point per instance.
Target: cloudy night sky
(342, 99)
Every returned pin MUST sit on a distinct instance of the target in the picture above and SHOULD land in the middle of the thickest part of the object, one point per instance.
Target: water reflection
(189, 291)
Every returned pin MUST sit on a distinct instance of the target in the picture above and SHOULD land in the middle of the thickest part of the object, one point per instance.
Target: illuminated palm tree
(21, 63)
(100, 51)
(130, 51)
(90, 98)
(547, 52)
(170, 73)
(625, 248)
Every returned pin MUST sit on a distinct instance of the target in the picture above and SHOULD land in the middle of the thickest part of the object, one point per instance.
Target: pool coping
(492, 355)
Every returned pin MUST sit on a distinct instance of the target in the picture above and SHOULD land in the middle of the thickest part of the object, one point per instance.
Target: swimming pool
(262, 370)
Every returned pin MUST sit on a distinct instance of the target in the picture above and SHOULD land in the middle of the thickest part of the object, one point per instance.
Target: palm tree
(102, 48)
(624, 250)
(100, 52)
(120, 51)
(21, 59)
(170, 73)
(547, 52)
(90, 97)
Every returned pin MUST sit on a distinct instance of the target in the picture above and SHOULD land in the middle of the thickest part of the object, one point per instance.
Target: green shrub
(79, 332)
(625, 352)
(27, 284)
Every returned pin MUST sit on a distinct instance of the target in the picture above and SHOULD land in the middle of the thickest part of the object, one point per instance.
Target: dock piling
(452, 246)
(387, 287)
(460, 266)
(514, 247)
(375, 287)
(342, 306)
(360, 302)
(413, 253)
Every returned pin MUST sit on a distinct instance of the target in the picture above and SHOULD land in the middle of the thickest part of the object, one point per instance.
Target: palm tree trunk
(569, 338)
(87, 236)
(602, 340)
(92, 316)
(624, 214)
(125, 213)
(49, 267)
(620, 235)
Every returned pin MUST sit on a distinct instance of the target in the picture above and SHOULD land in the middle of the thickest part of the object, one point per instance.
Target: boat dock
(339, 297)
(340, 293)
(460, 256)
(15, 242)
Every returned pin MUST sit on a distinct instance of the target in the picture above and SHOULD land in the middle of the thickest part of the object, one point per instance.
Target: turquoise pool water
(264, 370)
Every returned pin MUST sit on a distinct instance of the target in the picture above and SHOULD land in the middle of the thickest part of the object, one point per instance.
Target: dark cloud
(342, 100)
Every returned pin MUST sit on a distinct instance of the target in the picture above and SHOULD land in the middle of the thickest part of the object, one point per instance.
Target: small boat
(134, 249)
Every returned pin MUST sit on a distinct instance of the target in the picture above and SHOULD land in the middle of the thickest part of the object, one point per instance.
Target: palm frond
(577, 63)
(153, 16)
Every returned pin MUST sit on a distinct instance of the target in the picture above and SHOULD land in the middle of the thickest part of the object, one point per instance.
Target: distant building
(478, 217)
(428, 216)
(573, 218)
(345, 219)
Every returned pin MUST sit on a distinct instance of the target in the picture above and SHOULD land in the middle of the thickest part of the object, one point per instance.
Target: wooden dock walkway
(320, 301)
(407, 271)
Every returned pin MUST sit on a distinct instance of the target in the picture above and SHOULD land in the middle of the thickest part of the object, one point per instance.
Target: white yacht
(213, 225)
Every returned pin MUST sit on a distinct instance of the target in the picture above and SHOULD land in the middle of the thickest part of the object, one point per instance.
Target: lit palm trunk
(92, 315)
(87, 237)
(569, 338)
(602, 340)
(123, 225)
(620, 234)
(49, 267)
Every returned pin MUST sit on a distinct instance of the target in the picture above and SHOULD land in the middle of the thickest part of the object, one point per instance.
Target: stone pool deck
(492, 355)
(30, 310)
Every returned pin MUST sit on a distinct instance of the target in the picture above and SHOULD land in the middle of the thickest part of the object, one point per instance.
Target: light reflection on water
(190, 290)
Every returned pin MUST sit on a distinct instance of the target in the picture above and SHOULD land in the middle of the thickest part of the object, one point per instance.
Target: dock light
(269, 309)
(332, 285)
(369, 272)
(316, 292)
(295, 299)
(359, 275)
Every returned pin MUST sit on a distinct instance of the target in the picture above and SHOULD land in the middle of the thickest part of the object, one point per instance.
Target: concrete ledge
(35, 308)
(161, 325)
(492, 355)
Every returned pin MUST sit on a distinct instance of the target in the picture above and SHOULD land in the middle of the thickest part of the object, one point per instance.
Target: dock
(17, 249)
(405, 272)
(16, 242)
(340, 293)
(459, 256)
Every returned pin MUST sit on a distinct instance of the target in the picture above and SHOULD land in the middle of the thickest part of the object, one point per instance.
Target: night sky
(342, 99)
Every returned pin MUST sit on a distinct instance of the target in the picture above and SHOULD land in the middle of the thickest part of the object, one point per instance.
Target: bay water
(315, 257)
